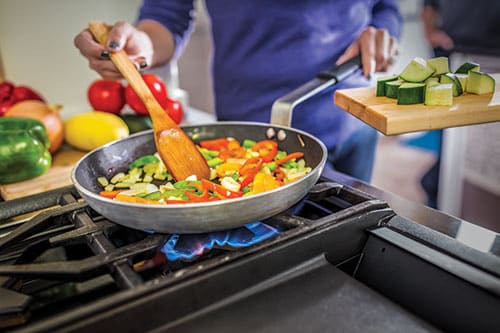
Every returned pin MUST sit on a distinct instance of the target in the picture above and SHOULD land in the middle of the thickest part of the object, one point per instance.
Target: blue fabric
(265, 49)
(356, 155)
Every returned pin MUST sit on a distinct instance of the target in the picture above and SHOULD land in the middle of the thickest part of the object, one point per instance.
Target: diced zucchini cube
(411, 93)
(391, 88)
(452, 78)
(431, 80)
(440, 94)
(381, 83)
(480, 83)
(463, 80)
(466, 67)
(440, 65)
(418, 70)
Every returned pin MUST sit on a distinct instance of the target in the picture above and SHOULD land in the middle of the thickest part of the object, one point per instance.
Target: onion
(47, 114)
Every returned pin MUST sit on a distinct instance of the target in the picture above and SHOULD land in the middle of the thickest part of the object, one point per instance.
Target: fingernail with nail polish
(105, 54)
(143, 64)
(113, 44)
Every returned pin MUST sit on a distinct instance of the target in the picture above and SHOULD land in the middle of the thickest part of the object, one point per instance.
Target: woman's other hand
(378, 50)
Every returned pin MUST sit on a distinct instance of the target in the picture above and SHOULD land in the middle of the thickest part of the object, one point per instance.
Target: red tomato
(157, 87)
(107, 96)
(174, 110)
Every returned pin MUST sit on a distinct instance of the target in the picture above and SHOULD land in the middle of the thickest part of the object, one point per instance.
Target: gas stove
(340, 259)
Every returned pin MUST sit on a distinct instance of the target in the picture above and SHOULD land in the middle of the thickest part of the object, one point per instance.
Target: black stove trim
(487, 262)
(448, 293)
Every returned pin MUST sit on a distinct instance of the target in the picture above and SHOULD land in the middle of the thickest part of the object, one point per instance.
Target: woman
(265, 49)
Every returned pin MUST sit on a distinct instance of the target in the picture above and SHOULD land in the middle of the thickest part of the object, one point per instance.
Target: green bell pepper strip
(24, 149)
(247, 143)
(142, 161)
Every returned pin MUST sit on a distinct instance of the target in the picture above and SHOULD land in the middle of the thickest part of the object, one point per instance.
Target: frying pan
(219, 215)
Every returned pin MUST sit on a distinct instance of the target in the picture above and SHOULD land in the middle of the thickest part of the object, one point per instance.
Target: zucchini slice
(466, 67)
(439, 94)
(453, 79)
(418, 70)
(440, 65)
(480, 83)
(463, 80)
(411, 93)
(432, 79)
(391, 88)
(381, 83)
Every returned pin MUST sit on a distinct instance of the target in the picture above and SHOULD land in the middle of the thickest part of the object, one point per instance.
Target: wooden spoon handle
(121, 60)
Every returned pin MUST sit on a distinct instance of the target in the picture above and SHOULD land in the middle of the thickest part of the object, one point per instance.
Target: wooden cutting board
(58, 175)
(383, 114)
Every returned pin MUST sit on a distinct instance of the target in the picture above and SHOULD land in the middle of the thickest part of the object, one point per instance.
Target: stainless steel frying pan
(219, 215)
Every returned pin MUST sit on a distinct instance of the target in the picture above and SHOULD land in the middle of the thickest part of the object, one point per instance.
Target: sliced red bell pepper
(267, 149)
(110, 194)
(198, 197)
(289, 157)
(215, 144)
(278, 174)
(239, 152)
(216, 188)
(175, 201)
(132, 199)
(251, 167)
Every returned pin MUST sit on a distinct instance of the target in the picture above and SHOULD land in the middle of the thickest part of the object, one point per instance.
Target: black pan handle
(282, 109)
(340, 72)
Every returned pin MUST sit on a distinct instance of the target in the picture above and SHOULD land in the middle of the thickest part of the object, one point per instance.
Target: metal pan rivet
(270, 133)
(281, 135)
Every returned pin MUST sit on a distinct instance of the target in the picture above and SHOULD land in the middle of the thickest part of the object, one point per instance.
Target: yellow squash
(88, 131)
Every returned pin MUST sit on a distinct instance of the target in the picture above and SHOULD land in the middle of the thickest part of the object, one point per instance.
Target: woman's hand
(122, 36)
(378, 50)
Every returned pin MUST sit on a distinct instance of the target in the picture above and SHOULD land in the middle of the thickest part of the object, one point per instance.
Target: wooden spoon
(178, 152)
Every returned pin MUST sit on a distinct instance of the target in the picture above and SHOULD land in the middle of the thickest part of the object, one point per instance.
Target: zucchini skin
(137, 123)
(24, 149)
(413, 94)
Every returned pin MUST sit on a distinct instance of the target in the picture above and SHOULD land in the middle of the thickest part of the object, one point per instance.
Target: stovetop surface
(69, 268)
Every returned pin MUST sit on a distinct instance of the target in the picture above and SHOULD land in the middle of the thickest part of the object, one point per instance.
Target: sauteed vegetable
(236, 170)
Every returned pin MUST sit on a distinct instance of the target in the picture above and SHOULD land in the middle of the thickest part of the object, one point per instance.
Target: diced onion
(230, 184)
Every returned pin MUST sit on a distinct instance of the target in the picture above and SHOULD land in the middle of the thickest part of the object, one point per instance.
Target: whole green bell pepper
(24, 149)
